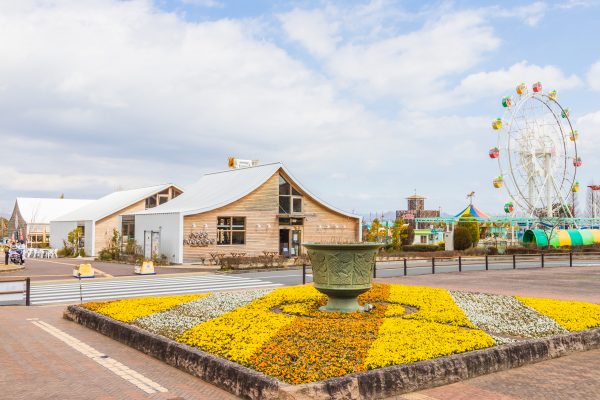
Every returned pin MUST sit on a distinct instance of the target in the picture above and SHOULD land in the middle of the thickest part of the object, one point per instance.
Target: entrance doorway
(290, 242)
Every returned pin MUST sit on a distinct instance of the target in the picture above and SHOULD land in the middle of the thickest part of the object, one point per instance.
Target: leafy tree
(377, 232)
(402, 233)
(462, 238)
(74, 240)
(469, 221)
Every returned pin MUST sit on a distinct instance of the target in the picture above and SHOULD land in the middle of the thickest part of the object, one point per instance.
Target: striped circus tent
(474, 211)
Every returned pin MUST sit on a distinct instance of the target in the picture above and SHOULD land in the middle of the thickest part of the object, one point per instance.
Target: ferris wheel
(536, 153)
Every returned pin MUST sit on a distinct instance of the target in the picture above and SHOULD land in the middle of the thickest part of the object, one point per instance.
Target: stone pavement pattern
(573, 377)
(35, 365)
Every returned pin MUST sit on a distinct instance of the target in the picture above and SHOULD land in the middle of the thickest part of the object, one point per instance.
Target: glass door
(284, 242)
(295, 243)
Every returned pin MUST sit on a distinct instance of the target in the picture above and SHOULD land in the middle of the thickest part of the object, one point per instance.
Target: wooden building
(243, 210)
(100, 218)
(30, 219)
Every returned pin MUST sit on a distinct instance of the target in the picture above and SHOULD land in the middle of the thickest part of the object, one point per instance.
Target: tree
(401, 233)
(469, 221)
(549, 226)
(377, 232)
(74, 239)
(3, 227)
(462, 238)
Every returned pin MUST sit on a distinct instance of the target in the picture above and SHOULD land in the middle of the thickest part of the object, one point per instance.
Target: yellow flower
(402, 341)
(432, 304)
(129, 309)
(571, 315)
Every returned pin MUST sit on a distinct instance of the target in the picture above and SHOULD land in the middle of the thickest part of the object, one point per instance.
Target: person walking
(6, 250)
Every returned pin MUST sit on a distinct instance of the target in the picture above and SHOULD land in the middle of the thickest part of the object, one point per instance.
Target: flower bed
(505, 316)
(572, 315)
(282, 333)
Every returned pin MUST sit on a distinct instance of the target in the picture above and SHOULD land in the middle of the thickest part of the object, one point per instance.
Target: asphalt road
(389, 269)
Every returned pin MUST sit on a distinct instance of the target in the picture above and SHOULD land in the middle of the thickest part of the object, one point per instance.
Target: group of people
(17, 248)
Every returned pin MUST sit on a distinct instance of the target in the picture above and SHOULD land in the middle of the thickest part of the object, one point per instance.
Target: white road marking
(104, 290)
(137, 379)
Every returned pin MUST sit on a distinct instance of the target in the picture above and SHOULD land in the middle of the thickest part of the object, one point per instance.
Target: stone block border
(373, 384)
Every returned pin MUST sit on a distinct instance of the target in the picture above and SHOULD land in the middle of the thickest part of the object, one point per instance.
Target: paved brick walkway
(36, 365)
(574, 377)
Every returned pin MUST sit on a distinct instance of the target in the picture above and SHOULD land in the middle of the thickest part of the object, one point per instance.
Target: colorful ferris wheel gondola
(574, 136)
(498, 182)
(537, 87)
(521, 89)
(566, 112)
(494, 152)
(553, 95)
(497, 124)
(577, 162)
(507, 101)
(575, 187)
(509, 207)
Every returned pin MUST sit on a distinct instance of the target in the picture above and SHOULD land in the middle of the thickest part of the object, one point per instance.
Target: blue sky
(364, 101)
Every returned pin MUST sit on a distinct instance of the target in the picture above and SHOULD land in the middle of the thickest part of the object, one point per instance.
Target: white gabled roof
(42, 211)
(112, 203)
(218, 189)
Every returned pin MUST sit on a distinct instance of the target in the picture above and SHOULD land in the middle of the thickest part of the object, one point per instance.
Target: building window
(424, 239)
(128, 228)
(151, 202)
(291, 221)
(290, 200)
(231, 230)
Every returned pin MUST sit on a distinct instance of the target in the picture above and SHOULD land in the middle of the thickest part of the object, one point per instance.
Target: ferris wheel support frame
(550, 184)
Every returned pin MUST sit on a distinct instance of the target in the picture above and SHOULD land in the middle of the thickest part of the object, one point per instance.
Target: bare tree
(549, 225)
(592, 197)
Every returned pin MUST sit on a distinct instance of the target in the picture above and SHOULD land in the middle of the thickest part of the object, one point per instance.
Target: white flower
(171, 323)
(505, 316)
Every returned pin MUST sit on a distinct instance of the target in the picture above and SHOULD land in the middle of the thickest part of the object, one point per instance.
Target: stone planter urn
(342, 272)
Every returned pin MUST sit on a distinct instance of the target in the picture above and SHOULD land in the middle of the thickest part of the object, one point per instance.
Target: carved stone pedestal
(342, 272)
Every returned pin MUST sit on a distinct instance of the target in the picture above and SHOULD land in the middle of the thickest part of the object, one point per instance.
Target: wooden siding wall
(261, 208)
(104, 227)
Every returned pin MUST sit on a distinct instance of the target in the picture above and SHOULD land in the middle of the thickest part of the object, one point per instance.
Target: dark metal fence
(424, 265)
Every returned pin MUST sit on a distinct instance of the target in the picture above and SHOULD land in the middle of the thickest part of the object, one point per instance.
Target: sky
(365, 102)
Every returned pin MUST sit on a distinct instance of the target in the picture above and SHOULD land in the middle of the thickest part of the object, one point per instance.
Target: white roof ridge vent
(235, 163)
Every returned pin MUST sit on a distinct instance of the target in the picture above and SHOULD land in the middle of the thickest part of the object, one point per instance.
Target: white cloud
(203, 3)
(531, 14)
(312, 29)
(503, 82)
(593, 76)
(415, 63)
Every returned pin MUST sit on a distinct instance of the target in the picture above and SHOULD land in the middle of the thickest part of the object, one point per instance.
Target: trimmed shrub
(492, 251)
(421, 247)
(462, 238)
(475, 251)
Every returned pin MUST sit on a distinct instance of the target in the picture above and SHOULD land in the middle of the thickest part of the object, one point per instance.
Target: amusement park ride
(537, 153)
(537, 158)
